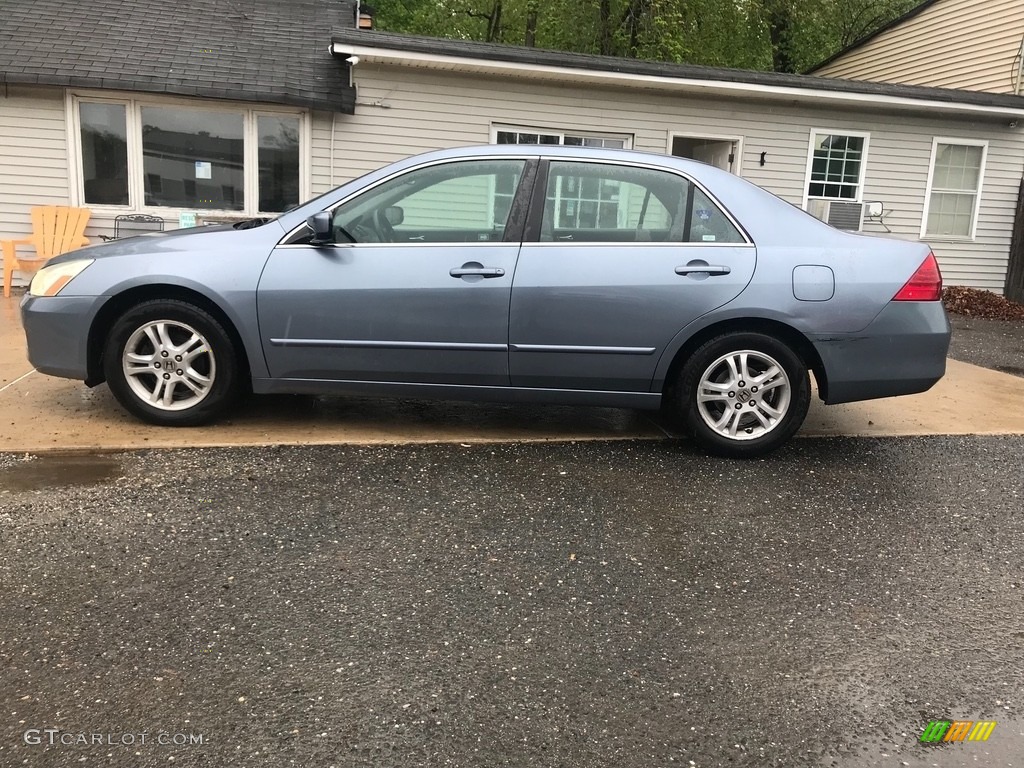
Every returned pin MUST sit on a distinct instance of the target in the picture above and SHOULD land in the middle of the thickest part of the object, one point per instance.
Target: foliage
(784, 35)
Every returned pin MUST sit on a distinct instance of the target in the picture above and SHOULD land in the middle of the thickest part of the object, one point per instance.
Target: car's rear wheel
(742, 394)
(171, 363)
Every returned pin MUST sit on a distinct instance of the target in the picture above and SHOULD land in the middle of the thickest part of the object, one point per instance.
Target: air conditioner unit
(838, 213)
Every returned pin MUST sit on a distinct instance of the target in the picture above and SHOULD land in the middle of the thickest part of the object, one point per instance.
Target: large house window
(278, 162)
(835, 167)
(104, 153)
(144, 155)
(954, 188)
(193, 158)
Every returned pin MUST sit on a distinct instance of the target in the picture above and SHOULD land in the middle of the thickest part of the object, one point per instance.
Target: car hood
(175, 241)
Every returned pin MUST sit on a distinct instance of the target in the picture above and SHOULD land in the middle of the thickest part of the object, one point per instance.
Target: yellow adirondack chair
(55, 230)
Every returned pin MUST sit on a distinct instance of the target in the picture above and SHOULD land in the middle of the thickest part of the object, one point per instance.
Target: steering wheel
(363, 230)
(385, 231)
(372, 227)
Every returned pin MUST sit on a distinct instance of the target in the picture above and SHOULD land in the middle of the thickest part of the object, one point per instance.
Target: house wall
(971, 44)
(35, 167)
(402, 111)
(33, 155)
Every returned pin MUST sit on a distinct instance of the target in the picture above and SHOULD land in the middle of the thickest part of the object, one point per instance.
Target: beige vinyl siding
(402, 111)
(322, 125)
(33, 158)
(969, 44)
(33, 155)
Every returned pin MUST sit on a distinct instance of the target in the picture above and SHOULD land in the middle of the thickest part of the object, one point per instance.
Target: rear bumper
(902, 352)
(57, 331)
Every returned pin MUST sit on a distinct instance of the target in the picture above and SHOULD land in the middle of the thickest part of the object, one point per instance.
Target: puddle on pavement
(49, 471)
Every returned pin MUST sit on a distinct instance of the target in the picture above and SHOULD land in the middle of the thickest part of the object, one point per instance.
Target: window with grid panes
(592, 200)
(956, 184)
(836, 166)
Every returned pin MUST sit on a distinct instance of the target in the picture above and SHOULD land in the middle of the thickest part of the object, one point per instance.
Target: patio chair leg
(8, 267)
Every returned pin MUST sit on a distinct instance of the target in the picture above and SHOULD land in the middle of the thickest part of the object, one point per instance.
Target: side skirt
(641, 400)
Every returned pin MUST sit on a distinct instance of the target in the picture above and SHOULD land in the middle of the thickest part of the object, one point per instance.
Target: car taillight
(924, 285)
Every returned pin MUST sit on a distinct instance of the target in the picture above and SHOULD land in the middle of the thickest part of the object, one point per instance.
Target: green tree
(784, 35)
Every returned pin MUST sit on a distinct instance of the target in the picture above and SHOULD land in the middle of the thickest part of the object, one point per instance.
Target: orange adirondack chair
(55, 230)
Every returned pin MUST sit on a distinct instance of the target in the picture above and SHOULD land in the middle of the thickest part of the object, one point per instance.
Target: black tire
(788, 393)
(215, 359)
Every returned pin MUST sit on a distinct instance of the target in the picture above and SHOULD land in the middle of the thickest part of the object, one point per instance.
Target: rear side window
(594, 202)
(709, 224)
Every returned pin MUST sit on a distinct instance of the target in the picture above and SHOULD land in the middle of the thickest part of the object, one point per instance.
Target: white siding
(403, 111)
(33, 156)
(970, 44)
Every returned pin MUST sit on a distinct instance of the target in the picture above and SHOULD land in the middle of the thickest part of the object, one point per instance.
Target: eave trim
(473, 65)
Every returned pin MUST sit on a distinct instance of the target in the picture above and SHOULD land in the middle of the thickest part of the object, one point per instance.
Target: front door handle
(703, 269)
(476, 271)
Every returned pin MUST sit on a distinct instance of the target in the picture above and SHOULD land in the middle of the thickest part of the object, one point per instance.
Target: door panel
(621, 259)
(387, 313)
(416, 289)
(618, 305)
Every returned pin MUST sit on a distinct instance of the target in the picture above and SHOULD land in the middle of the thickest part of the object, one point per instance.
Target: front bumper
(57, 331)
(902, 352)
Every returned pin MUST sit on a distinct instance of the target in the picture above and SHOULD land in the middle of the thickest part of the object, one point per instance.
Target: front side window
(836, 166)
(597, 202)
(188, 157)
(954, 190)
(467, 201)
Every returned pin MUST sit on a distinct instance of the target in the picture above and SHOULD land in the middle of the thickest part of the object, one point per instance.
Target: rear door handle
(477, 272)
(703, 269)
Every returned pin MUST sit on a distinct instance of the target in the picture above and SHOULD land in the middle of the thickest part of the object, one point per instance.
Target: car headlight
(49, 281)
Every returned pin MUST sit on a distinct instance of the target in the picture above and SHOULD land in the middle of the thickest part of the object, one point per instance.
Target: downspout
(1018, 70)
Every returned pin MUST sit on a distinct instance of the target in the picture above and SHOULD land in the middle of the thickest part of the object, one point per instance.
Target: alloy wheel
(169, 365)
(744, 395)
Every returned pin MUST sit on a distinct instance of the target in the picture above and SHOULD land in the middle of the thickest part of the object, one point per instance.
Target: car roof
(558, 150)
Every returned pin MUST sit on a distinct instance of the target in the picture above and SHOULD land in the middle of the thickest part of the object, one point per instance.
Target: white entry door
(721, 153)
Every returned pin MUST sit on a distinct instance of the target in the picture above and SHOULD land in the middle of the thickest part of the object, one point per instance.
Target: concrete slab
(40, 413)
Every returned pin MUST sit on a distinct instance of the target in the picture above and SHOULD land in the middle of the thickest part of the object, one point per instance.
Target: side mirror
(320, 225)
(394, 214)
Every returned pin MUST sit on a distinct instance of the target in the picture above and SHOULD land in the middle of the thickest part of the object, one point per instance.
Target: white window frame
(977, 196)
(626, 138)
(133, 103)
(812, 140)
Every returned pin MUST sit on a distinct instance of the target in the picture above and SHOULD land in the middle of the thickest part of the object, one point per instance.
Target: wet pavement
(41, 413)
(597, 603)
(995, 344)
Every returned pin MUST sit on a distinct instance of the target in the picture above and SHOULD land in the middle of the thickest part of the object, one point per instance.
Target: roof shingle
(265, 51)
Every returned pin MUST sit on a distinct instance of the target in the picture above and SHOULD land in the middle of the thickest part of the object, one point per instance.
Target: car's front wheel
(171, 363)
(742, 394)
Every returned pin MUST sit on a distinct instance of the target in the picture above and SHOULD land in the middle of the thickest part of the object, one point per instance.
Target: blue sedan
(507, 273)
